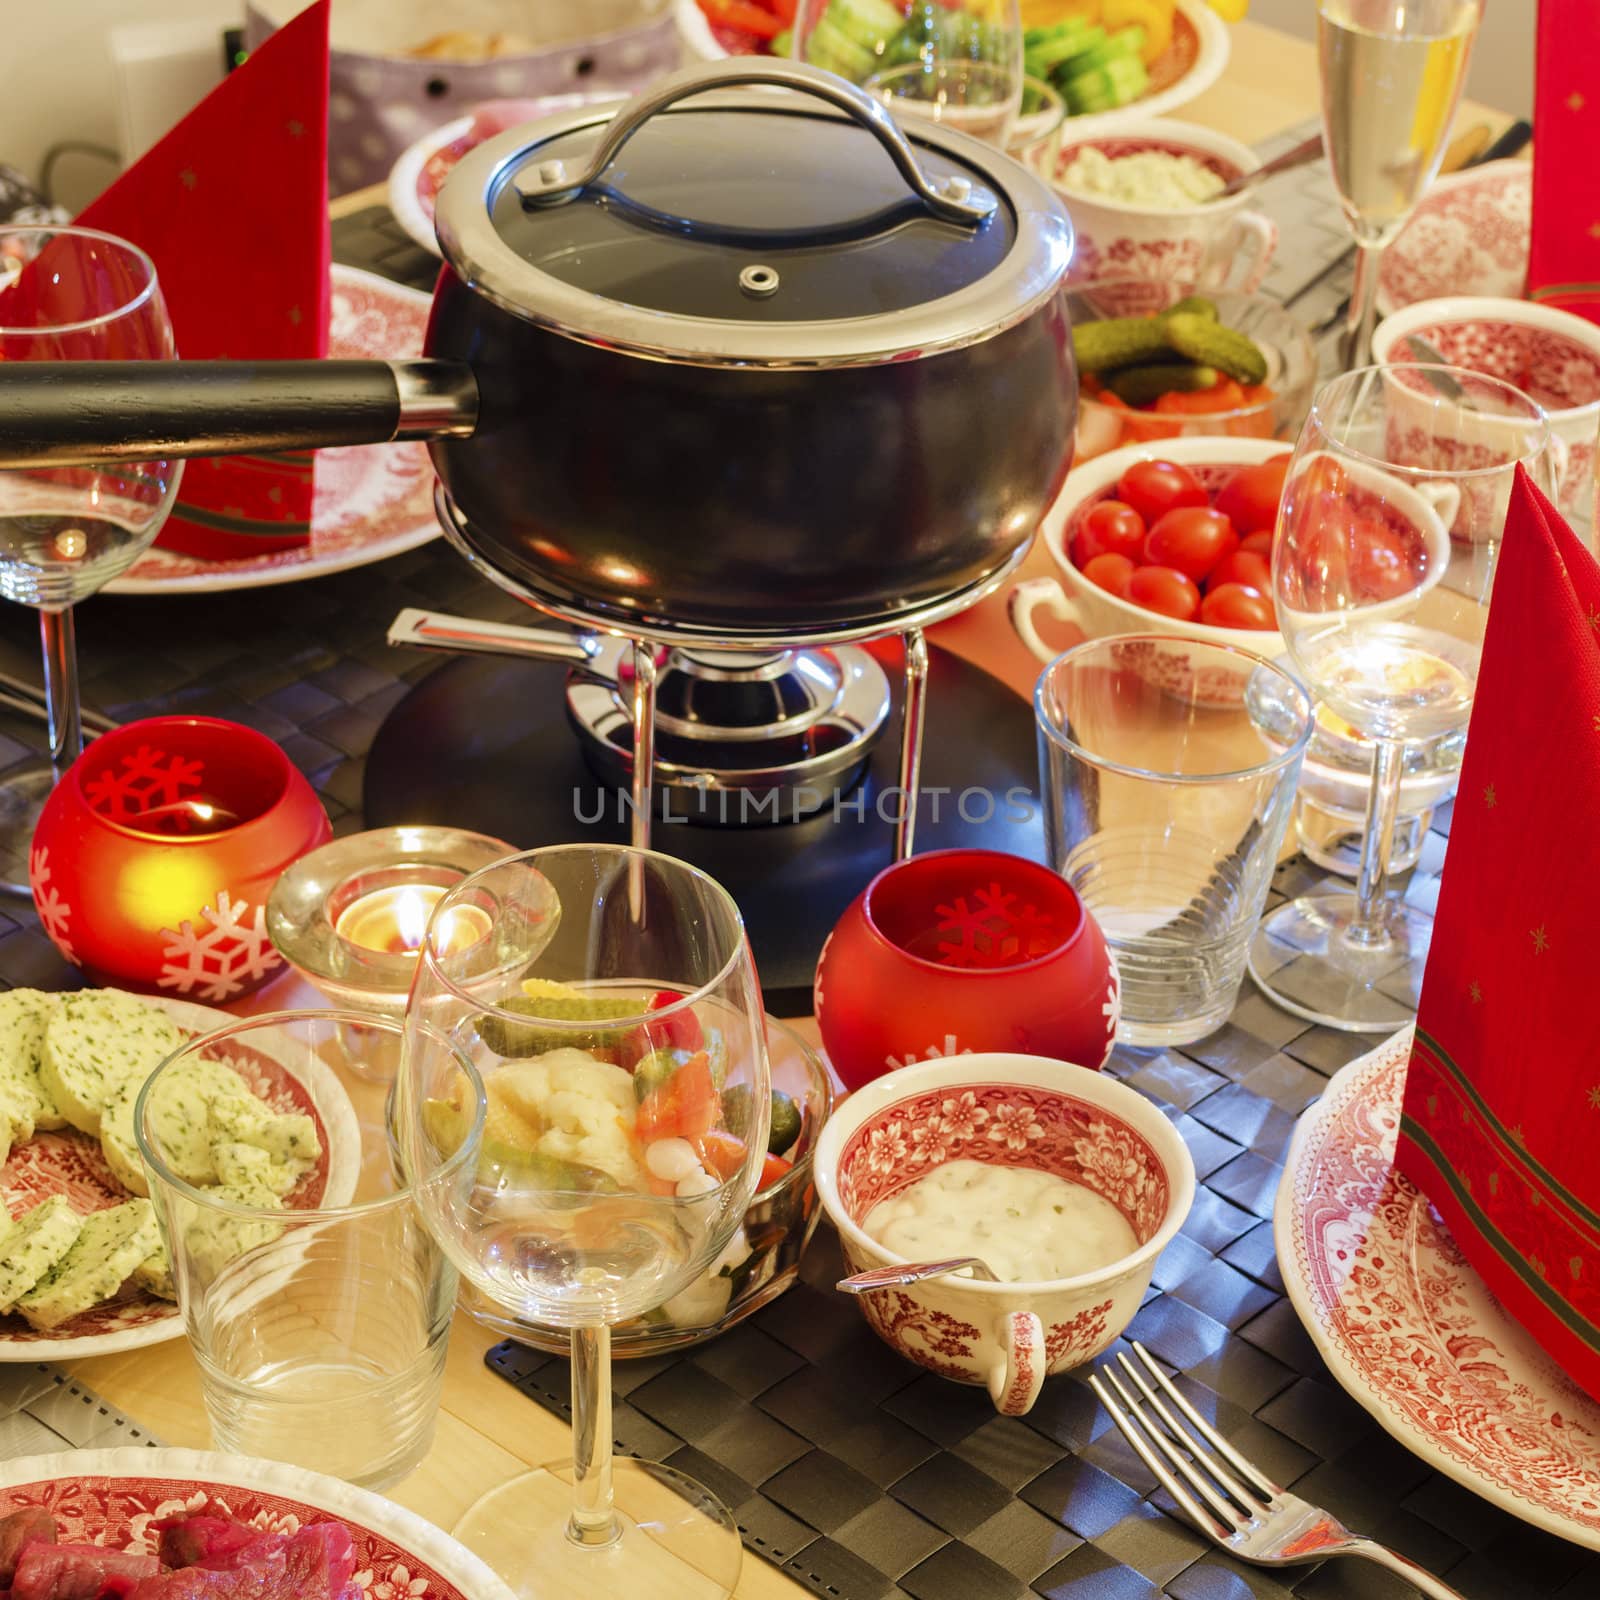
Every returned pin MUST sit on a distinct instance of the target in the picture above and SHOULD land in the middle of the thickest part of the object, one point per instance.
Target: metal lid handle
(956, 199)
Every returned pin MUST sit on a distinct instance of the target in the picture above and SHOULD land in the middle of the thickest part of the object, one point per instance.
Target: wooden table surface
(485, 1432)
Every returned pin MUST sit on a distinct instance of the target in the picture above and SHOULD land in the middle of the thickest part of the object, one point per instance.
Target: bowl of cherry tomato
(1175, 537)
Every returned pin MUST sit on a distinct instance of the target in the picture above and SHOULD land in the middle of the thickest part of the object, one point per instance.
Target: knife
(1432, 359)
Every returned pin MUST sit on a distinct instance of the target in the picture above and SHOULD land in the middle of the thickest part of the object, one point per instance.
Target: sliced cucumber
(869, 23)
(830, 48)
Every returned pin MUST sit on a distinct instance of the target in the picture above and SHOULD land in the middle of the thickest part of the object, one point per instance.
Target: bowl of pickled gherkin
(1167, 361)
(763, 1257)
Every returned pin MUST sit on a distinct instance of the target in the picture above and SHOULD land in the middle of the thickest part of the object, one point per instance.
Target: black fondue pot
(736, 365)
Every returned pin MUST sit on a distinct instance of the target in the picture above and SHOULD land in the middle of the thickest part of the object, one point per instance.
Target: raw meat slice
(30, 1526)
(79, 1572)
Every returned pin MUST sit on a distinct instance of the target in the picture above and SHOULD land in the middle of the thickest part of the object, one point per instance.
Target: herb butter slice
(38, 1240)
(109, 1247)
(24, 1014)
(94, 1043)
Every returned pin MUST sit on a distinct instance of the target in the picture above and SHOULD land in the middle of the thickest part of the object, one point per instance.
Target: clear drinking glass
(71, 294)
(1392, 72)
(1388, 535)
(607, 1026)
(319, 1323)
(1168, 769)
(958, 62)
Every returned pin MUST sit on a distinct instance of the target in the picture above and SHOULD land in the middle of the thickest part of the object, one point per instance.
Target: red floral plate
(1468, 235)
(371, 501)
(70, 1163)
(111, 1498)
(1407, 1326)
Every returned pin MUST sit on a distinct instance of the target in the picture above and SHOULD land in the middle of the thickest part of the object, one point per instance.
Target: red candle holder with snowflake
(959, 951)
(154, 855)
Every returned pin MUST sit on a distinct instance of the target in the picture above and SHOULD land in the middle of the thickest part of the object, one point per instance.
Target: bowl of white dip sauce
(1065, 1182)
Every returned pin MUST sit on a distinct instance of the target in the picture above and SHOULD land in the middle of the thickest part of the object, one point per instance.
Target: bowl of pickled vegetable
(763, 1257)
(1161, 361)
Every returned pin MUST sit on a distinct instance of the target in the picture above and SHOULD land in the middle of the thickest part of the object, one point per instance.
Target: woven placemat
(866, 1478)
(44, 1409)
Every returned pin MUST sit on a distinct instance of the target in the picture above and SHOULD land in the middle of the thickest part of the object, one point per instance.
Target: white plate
(371, 501)
(70, 1163)
(1407, 1326)
(112, 1497)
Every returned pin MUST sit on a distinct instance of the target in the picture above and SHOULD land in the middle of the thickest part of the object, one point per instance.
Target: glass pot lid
(753, 227)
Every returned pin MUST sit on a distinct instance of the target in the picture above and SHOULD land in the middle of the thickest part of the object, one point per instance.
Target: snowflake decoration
(54, 912)
(934, 1052)
(993, 930)
(148, 778)
(229, 956)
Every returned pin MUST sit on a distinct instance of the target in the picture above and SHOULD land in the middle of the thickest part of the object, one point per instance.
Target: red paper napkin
(232, 205)
(1501, 1121)
(1564, 252)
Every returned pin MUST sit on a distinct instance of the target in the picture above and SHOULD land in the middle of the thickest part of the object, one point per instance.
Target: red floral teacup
(1017, 1111)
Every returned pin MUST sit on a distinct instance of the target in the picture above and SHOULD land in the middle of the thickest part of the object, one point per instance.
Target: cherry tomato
(1243, 566)
(1237, 605)
(1193, 539)
(1154, 488)
(1259, 544)
(1108, 528)
(1165, 590)
(1111, 572)
(1381, 565)
(1249, 499)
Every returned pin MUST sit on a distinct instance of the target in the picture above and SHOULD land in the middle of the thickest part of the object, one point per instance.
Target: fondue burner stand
(726, 729)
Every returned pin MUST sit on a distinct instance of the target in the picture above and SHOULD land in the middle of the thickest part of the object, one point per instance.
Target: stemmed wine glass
(589, 1015)
(72, 294)
(1391, 72)
(1389, 530)
(958, 62)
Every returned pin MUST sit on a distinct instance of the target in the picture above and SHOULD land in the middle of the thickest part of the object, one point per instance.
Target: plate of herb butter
(83, 1269)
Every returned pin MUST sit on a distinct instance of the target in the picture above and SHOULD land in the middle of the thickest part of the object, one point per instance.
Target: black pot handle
(956, 198)
(73, 413)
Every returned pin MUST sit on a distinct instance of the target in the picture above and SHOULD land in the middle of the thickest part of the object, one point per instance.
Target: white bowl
(1212, 244)
(1550, 354)
(1020, 1111)
(1097, 612)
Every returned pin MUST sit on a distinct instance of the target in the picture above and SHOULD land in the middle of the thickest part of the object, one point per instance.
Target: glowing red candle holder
(156, 851)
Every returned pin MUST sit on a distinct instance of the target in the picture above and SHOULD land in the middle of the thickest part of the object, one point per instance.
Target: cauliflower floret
(583, 1110)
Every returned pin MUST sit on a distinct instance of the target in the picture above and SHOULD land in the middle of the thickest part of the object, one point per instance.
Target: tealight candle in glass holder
(351, 916)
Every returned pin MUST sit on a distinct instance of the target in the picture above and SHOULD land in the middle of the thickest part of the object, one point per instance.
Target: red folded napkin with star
(1501, 1120)
(1564, 247)
(232, 205)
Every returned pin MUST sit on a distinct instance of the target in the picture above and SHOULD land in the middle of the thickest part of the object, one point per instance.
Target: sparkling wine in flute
(1392, 72)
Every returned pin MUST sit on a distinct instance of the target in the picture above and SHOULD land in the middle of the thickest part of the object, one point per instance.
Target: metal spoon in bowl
(915, 1272)
(1306, 150)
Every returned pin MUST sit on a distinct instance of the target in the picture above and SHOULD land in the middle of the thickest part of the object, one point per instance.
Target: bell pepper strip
(774, 1170)
(721, 1154)
(744, 15)
(679, 1032)
(683, 1106)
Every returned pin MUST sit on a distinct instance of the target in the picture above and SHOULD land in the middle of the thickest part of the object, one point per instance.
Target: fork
(1244, 1511)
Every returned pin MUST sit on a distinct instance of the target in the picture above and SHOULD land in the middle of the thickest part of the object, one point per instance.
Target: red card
(1564, 252)
(232, 205)
(1501, 1119)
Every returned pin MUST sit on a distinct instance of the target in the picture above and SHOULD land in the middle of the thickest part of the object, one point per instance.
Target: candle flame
(411, 909)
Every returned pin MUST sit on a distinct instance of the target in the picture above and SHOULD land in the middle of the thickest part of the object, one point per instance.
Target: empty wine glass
(1389, 530)
(954, 62)
(603, 1043)
(1392, 72)
(72, 294)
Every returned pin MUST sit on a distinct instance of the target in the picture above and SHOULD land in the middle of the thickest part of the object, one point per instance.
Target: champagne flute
(72, 294)
(1389, 530)
(1391, 73)
(588, 1019)
(954, 62)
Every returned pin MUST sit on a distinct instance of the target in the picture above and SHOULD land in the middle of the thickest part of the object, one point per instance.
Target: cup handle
(1561, 459)
(1015, 1380)
(1263, 231)
(1026, 597)
(1445, 498)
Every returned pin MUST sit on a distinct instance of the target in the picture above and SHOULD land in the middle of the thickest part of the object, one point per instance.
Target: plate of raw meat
(188, 1525)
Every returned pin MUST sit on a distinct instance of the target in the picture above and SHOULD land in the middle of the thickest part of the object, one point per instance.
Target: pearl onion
(698, 1182)
(671, 1159)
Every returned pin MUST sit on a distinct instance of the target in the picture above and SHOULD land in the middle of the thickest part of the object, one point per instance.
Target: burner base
(484, 743)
